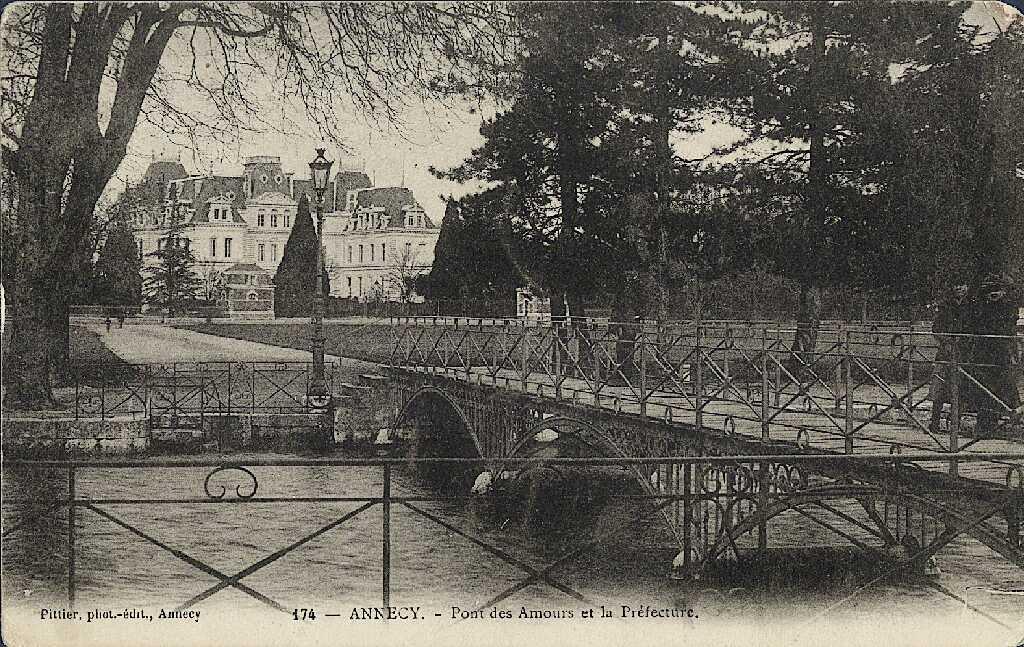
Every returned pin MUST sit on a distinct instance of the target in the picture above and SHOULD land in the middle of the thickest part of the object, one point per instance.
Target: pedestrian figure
(120, 319)
(948, 321)
(993, 391)
(107, 322)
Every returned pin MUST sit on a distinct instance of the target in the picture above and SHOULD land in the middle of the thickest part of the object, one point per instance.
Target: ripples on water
(430, 565)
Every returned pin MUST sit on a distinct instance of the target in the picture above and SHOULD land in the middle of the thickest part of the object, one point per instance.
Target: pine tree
(471, 259)
(443, 282)
(171, 282)
(295, 281)
(118, 273)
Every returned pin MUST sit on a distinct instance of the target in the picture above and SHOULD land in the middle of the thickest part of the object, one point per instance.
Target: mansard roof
(271, 198)
(305, 188)
(163, 171)
(394, 200)
(350, 181)
(214, 187)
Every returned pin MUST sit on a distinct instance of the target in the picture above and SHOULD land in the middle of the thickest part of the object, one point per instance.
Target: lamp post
(318, 396)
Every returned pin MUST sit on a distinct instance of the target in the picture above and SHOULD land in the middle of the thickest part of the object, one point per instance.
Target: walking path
(155, 344)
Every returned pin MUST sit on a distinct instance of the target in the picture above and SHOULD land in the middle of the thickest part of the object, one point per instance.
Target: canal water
(434, 567)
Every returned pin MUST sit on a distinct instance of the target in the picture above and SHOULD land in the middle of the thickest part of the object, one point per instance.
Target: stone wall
(56, 437)
(125, 436)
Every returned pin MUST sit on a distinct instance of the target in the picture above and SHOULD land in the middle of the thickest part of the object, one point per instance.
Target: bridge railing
(853, 388)
(193, 388)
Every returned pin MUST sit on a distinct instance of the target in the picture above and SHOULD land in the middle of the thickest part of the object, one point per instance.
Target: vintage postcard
(512, 323)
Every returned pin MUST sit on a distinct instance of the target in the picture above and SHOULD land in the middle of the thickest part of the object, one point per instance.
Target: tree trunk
(808, 322)
(809, 310)
(664, 177)
(28, 360)
(624, 315)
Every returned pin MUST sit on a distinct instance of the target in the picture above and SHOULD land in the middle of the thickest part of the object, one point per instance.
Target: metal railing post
(386, 540)
(762, 506)
(910, 374)
(229, 388)
(524, 354)
(954, 404)
(558, 366)
(72, 514)
(765, 412)
(699, 382)
(847, 393)
(643, 372)
(687, 516)
(778, 379)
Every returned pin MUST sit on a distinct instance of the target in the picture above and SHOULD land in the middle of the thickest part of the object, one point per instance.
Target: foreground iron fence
(713, 505)
(183, 388)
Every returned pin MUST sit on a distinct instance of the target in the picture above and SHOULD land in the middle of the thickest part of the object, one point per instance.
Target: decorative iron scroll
(238, 488)
(787, 478)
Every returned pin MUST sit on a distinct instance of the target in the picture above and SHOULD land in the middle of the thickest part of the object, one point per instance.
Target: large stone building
(376, 239)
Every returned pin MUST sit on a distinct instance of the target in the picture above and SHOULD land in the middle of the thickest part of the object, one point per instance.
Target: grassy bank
(91, 360)
(367, 342)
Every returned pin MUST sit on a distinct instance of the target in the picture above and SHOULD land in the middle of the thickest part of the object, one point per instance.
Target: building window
(260, 250)
(261, 219)
(360, 260)
(287, 221)
(188, 244)
(349, 287)
(349, 254)
(159, 244)
(227, 248)
(213, 248)
(360, 286)
(383, 256)
(273, 220)
(372, 252)
(273, 252)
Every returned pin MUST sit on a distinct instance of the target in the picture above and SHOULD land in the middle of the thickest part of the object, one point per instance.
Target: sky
(432, 136)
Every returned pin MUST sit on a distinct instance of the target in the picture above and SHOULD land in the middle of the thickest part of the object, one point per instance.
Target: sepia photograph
(512, 323)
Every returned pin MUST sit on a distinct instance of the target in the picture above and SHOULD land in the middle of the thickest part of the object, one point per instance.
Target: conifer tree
(295, 281)
(118, 273)
(171, 283)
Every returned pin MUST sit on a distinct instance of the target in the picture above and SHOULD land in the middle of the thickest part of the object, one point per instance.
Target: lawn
(91, 360)
(372, 343)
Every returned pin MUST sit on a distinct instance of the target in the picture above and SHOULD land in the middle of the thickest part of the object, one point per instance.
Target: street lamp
(318, 396)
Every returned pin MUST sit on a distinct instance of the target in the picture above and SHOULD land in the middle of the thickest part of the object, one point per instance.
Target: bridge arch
(438, 402)
(935, 510)
(604, 445)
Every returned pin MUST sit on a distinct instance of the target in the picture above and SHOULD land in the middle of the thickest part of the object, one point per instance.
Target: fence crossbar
(235, 580)
(497, 552)
(188, 559)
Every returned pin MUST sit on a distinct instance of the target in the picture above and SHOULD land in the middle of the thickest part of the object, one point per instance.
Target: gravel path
(144, 344)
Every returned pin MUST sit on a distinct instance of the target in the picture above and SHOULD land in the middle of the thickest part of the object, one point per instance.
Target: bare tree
(402, 273)
(77, 78)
